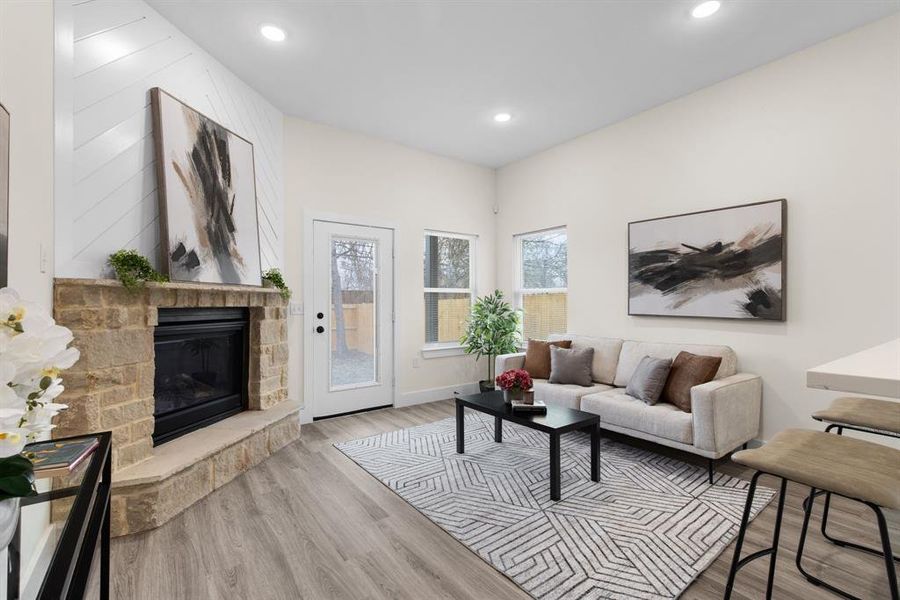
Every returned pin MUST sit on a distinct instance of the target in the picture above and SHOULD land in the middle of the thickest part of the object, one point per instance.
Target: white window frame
(441, 349)
(519, 270)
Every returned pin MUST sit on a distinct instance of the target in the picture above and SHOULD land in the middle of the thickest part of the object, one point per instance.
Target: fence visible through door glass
(353, 309)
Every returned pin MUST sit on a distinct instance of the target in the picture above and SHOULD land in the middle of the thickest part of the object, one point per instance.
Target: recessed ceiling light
(502, 117)
(706, 9)
(270, 32)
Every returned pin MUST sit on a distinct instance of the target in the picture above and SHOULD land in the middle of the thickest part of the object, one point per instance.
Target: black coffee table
(556, 421)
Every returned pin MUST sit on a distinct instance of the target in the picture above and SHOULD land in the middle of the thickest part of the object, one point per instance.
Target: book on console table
(57, 458)
(537, 407)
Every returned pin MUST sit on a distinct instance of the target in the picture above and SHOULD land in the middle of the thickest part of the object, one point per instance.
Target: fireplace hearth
(201, 368)
(166, 359)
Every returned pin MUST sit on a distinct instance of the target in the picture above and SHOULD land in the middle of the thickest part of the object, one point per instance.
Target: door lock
(320, 315)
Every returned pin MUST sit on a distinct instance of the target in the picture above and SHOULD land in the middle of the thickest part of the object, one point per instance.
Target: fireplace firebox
(201, 368)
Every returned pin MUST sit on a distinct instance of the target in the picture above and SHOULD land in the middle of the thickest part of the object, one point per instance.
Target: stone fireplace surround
(111, 388)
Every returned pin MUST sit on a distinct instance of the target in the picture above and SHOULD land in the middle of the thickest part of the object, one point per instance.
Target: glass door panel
(354, 310)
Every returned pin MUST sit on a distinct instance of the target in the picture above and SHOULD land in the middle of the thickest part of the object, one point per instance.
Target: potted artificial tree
(492, 330)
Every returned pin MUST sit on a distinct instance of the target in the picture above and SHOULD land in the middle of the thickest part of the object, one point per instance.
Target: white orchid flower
(33, 352)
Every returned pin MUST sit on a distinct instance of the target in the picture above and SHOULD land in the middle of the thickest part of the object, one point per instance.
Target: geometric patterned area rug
(646, 530)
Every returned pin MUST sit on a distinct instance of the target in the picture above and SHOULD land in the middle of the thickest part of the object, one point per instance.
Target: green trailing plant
(492, 329)
(277, 279)
(133, 269)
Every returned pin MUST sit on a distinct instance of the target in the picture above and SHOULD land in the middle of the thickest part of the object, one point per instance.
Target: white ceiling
(431, 74)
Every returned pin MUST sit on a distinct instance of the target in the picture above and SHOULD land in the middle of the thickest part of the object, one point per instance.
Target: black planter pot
(486, 385)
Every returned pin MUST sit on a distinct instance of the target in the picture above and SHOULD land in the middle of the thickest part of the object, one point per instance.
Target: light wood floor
(308, 523)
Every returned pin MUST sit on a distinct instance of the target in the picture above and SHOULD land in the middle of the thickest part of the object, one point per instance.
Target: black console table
(87, 523)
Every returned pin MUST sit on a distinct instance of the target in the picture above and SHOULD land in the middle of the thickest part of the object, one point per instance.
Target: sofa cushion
(571, 365)
(663, 420)
(687, 371)
(633, 352)
(649, 379)
(537, 357)
(606, 354)
(564, 394)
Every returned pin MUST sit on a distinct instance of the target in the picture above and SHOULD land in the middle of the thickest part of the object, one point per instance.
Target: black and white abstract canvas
(207, 191)
(723, 263)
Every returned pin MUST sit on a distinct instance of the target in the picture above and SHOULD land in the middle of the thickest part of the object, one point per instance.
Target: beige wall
(820, 128)
(26, 90)
(335, 171)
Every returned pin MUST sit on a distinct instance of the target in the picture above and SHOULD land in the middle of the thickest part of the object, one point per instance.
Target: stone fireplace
(222, 406)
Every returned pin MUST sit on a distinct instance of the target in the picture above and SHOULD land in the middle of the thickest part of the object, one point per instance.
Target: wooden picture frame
(4, 195)
(208, 208)
(722, 263)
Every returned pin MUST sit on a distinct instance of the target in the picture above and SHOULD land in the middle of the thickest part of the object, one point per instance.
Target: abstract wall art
(4, 197)
(207, 197)
(723, 263)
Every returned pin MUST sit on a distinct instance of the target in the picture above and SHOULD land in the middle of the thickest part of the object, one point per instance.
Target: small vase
(513, 394)
(9, 518)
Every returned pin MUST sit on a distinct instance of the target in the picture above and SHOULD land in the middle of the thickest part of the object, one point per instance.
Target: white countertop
(875, 372)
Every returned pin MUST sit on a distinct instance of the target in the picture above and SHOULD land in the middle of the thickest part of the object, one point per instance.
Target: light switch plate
(295, 309)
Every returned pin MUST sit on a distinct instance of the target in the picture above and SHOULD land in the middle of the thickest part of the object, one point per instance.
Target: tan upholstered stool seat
(866, 413)
(844, 465)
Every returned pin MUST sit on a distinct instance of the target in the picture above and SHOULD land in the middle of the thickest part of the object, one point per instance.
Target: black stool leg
(777, 534)
(885, 540)
(888, 553)
(735, 562)
(738, 562)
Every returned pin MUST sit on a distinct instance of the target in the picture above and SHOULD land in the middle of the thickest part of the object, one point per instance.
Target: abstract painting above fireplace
(207, 197)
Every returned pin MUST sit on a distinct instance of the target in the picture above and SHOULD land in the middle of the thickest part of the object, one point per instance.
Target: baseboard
(435, 394)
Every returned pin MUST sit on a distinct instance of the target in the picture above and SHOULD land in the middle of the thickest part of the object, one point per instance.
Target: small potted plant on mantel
(492, 330)
(274, 279)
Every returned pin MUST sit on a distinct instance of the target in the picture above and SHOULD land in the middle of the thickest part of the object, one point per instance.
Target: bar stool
(849, 467)
(880, 417)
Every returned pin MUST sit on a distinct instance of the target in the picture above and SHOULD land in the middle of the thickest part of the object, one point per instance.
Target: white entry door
(352, 322)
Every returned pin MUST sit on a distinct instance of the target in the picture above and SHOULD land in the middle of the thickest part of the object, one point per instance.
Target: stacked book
(54, 458)
(534, 407)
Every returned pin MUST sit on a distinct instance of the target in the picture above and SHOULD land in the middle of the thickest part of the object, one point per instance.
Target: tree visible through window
(542, 284)
(448, 286)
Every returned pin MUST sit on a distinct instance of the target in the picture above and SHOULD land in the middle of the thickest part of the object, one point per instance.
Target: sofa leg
(709, 465)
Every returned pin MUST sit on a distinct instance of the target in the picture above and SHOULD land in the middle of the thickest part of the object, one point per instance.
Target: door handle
(320, 329)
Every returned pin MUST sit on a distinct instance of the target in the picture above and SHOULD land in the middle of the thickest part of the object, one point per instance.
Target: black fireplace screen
(201, 368)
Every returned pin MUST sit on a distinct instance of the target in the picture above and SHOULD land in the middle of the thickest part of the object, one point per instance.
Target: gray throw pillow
(649, 379)
(571, 365)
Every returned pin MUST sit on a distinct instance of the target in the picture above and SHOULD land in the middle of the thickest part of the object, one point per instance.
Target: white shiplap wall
(121, 51)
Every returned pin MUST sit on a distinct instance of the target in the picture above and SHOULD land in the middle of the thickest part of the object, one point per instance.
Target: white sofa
(725, 412)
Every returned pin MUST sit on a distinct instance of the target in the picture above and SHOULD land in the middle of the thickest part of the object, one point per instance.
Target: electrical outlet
(44, 261)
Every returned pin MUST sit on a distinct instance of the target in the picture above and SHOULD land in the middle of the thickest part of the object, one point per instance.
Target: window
(449, 287)
(542, 282)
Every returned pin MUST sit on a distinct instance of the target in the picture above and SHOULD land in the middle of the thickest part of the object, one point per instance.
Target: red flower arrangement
(514, 379)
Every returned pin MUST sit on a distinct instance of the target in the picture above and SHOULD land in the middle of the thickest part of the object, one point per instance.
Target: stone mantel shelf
(172, 285)
(186, 451)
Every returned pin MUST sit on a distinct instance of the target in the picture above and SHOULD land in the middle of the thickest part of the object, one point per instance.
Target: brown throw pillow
(687, 371)
(537, 357)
